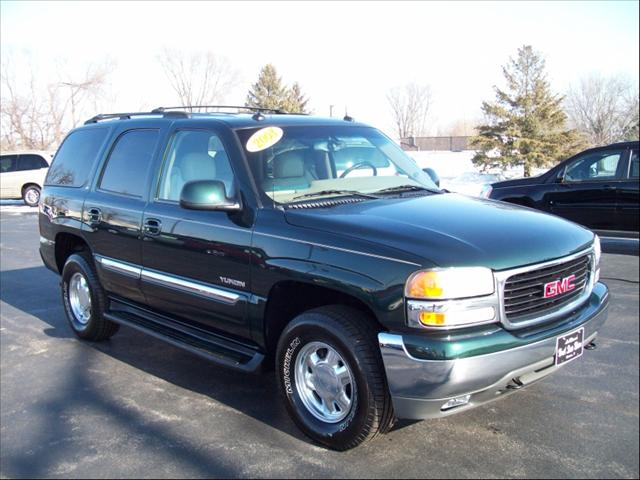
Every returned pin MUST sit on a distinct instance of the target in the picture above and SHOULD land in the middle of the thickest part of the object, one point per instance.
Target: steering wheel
(360, 165)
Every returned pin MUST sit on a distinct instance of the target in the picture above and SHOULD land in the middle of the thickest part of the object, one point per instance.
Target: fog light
(456, 402)
(432, 318)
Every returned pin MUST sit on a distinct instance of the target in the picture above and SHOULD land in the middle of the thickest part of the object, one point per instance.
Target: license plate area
(569, 346)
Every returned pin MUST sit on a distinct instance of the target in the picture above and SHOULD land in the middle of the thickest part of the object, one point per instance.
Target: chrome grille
(523, 294)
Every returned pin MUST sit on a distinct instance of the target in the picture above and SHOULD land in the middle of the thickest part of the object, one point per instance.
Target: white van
(22, 175)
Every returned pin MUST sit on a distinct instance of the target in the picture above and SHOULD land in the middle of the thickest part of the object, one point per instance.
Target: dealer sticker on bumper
(569, 346)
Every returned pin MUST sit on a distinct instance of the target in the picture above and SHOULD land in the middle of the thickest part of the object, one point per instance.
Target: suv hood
(449, 230)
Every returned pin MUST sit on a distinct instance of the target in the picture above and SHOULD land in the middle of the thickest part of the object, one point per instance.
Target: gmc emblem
(555, 288)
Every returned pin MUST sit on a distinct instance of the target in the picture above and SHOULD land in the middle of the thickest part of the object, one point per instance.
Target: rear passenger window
(8, 163)
(128, 163)
(194, 155)
(31, 162)
(76, 156)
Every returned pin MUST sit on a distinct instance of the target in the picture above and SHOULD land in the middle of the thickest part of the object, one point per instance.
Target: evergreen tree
(296, 101)
(526, 124)
(270, 92)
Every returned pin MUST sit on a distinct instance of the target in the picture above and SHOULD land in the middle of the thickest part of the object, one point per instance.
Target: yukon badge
(555, 288)
(232, 281)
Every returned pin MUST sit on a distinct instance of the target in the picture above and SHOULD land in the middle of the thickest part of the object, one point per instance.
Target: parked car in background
(22, 175)
(597, 188)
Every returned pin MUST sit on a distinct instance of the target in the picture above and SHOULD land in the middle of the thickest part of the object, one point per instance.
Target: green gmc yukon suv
(317, 246)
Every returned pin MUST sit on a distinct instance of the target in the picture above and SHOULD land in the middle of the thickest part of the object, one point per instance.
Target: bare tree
(460, 128)
(604, 110)
(410, 106)
(85, 90)
(36, 114)
(201, 78)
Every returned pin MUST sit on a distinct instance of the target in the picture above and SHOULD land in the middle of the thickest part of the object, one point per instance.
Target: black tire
(96, 328)
(31, 195)
(354, 337)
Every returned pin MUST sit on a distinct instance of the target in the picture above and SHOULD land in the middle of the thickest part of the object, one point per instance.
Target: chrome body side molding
(168, 281)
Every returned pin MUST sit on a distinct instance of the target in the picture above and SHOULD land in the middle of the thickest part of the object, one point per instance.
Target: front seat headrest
(289, 164)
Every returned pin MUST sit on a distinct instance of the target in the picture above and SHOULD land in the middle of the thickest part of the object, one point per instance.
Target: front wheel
(31, 195)
(331, 377)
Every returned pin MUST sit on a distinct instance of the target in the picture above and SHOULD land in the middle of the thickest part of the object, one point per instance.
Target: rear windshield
(76, 157)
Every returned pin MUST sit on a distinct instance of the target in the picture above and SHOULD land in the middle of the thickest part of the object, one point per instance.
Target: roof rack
(185, 111)
(128, 115)
(199, 109)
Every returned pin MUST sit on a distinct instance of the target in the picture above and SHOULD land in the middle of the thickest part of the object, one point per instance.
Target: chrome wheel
(324, 382)
(80, 298)
(32, 196)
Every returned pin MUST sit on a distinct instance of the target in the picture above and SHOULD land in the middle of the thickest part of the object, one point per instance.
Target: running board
(214, 348)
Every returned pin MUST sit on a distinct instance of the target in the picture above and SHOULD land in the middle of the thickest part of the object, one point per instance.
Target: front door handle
(152, 227)
(94, 217)
(608, 188)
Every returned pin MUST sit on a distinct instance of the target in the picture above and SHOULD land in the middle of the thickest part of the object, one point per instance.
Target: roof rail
(185, 111)
(127, 116)
(191, 109)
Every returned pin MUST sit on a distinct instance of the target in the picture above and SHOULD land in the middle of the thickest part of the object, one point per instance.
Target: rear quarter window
(75, 158)
(31, 162)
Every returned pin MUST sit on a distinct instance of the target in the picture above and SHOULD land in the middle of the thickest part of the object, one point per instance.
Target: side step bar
(208, 346)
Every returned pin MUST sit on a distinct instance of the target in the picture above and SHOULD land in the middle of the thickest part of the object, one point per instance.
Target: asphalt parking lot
(136, 407)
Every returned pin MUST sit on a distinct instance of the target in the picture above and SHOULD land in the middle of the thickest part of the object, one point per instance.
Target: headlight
(597, 253)
(451, 298)
(443, 284)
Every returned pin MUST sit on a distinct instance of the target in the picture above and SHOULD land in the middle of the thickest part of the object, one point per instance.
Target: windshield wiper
(407, 188)
(323, 193)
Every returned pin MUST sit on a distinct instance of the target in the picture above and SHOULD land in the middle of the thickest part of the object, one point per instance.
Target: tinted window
(634, 166)
(7, 163)
(76, 156)
(593, 166)
(31, 162)
(128, 163)
(194, 155)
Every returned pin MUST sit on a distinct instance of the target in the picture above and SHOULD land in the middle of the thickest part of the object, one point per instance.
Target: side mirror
(434, 176)
(207, 195)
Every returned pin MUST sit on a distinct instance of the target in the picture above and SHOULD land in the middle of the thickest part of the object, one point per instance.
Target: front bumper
(420, 388)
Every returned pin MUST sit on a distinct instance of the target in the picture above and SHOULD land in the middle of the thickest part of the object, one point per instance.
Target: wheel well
(24, 187)
(289, 299)
(66, 245)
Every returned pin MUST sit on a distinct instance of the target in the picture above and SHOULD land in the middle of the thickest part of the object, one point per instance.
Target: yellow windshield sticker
(264, 138)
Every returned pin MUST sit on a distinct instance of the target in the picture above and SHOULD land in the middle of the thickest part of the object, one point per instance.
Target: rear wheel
(31, 195)
(84, 299)
(331, 377)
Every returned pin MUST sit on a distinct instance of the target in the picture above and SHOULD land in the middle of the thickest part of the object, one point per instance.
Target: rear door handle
(95, 217)
(608, 188)
(152, 227)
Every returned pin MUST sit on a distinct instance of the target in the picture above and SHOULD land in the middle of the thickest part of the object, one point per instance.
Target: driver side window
(194, 155)
(593, 167)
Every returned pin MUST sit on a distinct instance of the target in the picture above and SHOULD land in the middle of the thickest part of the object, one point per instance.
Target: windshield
(292, 163)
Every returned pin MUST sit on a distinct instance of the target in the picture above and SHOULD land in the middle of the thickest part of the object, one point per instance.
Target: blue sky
(345, 54)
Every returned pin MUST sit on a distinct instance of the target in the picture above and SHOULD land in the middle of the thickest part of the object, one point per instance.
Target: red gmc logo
(553, 289)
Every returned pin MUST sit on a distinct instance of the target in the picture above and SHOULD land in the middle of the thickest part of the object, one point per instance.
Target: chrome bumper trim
(419, 388)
